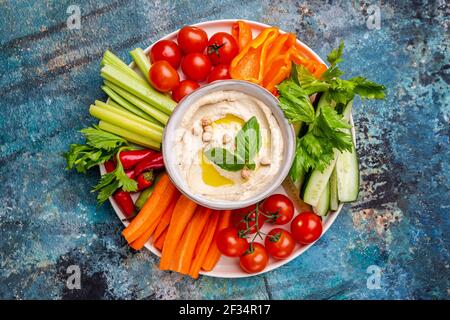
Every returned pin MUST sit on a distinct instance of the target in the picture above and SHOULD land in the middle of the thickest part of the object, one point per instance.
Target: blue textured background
(48, 217)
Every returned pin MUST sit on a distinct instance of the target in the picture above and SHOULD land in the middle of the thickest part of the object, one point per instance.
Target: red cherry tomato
(255, 260)
(279, 243)
(196, 66)
(222, 48)
(192, 39)
(219, 72)
(163, 76)
(241, 217)
(166, 50)
(306, 227)
(230, 244)
(185, 88)
(280, 206)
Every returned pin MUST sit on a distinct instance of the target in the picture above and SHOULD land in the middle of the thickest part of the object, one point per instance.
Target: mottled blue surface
(48, 217)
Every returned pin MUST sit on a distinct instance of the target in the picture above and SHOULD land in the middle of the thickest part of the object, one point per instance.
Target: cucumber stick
(334, 201)
(324, 202)
(323, 101)
(317, 183)
(347, 169)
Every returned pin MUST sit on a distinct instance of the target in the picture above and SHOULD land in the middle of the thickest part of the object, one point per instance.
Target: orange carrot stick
(139, 243)
(159, 243)
(165, 218)
(185, 252)
(182, 214)
(203, 244)
(152, 210)
(214, 254)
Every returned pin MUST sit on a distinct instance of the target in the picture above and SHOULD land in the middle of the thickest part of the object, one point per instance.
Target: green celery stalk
(141, 60)
(129, 136)
(111, 102)
(114, 117)
(149, 109)
(129, 115)
(128, 106)
(110, 58)
(144, 92)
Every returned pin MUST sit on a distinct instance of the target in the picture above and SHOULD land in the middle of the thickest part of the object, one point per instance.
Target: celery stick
(112, 59)
(129, 115)
(146, 93)
(124, 122)
(130, 136)
(149, 109)
(141, 60)
(111, 102)
(128, 106)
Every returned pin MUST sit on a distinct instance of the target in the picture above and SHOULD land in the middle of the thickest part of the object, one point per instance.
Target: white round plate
(229, 267)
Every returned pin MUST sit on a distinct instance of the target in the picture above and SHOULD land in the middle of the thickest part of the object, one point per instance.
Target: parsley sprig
(328, 130)
(100, 146)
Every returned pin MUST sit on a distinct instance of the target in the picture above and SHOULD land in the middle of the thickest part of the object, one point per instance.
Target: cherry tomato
(279, 243)
(280, 206)
(255, 260)
(166, 50)
(241, 217)
(306, 227)
(185, 88)
(196, 66)
(163, 76)
(222, 48)
(230, 244)
(192, 39)
(219, 72)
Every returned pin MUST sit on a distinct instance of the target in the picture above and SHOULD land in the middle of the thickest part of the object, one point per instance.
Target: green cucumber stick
(127, 105)
(141, 60)
(129, 136)
(129, 115)
(144, 92)
(124, 122)
(149, 109)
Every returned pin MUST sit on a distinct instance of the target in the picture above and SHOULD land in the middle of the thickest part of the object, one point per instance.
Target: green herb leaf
(335, 56)
(295, 103)
(368, 89)
(114, 180)
(225, 159)
(100, 139)
(248, 141)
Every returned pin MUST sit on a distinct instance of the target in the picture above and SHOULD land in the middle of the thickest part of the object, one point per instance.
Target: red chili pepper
(130, 158)
(124, 201)
(130, 174)
(122, 198)
(109, 166)
(145, 180)
(153, 162)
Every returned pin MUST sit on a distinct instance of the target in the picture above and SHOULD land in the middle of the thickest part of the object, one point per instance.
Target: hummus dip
(213, 121)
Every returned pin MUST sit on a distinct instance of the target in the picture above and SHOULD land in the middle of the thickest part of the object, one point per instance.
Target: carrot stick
(185, 253)
(203, 244)
(182, 214)
(156, 204)
(159, 243)
(214, 254)
(165, 218)
(139, 243)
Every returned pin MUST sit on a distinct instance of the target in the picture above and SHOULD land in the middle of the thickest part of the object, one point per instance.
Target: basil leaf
(248, 141)
(225, 159)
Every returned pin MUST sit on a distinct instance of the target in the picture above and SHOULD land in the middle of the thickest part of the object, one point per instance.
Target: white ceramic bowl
(169, 142)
